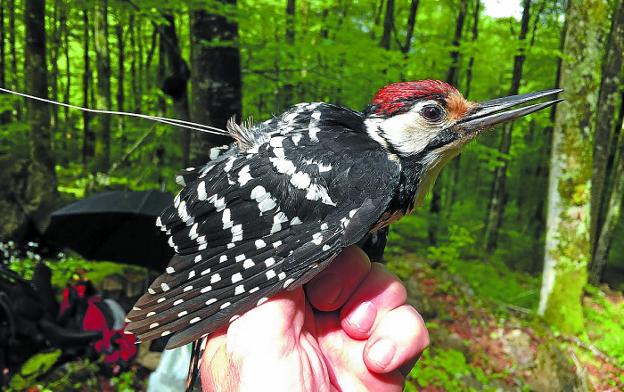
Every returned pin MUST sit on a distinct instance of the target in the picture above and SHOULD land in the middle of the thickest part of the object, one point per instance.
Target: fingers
(380, 292)
(332, 287)
(398, 338)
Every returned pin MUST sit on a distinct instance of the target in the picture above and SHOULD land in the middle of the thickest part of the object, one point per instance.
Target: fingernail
(382, 353)
(363, 316)
(329, 286)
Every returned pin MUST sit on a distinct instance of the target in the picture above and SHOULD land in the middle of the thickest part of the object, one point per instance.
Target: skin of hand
(349, 329)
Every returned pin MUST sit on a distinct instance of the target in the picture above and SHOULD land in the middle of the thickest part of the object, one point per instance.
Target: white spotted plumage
(260, 217)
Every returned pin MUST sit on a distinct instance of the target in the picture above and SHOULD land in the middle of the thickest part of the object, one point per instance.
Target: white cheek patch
(408, 132)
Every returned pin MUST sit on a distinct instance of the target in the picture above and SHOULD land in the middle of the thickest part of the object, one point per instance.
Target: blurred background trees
(209, 60)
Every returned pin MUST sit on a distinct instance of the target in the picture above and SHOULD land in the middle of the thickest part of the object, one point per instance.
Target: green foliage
(125, 382)
(450, 371)
(33, 368)
(66, 268)
(458, 240)
(604, 323)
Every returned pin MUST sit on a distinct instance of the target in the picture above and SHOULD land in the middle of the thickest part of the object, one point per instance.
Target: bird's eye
(432, 113)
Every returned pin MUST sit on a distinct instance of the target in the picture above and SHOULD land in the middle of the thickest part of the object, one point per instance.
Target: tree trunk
(215, 79)
(35, 76)
(121, 75)
(498, 197)
(5, 116)
(176, 75)
(611, 218)
(456, 166)
(54, 73)
(567, 250)
(71, 133)
(451, 77)
(607, 106)
(388, 25)
(104, 98)
(411, 24)
(542, 169)
(286, 94)
(475, 37)
(453, 71)
(15, 86)
(88, 137)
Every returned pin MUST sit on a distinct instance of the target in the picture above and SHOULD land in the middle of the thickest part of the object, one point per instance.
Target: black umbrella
(115, 226)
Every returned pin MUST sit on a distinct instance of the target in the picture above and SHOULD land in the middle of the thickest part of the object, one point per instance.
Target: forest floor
(482, 339)
(484, 331)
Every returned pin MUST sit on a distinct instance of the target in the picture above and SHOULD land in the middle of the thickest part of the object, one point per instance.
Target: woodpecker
(270, 211)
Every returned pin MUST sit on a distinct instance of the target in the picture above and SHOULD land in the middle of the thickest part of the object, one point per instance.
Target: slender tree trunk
(176, 75)
(121, 76)
(150, 57)
(5, 116)
(286, 93)
(15, 85)
(498, 195)
(70, 130)
(104, 98)
(134, 82)
(611, 218)
(453, 72)
(88, 136)
(36, 80)
(141, 66)
(475, 37)
(451, 77)
(454, 186)
(567, 237)
(377, 11)
(386, 37)
(216, 77)
(411, 24)
(543, 163)
(54, 74)
(607, 105)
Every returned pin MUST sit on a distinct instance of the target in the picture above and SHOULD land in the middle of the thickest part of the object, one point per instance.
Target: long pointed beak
(489, 113)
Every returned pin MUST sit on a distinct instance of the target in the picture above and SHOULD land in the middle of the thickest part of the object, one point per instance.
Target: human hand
(349, 330)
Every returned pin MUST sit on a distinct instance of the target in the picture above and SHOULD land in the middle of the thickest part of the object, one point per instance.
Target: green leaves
(34, 367)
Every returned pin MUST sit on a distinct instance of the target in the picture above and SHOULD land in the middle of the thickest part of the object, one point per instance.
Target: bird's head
(431, 119)
(428, 122)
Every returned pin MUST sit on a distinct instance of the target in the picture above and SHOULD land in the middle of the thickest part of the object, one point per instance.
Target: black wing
(258, 221)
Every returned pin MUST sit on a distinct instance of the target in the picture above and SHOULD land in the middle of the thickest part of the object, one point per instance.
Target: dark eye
(432, 113)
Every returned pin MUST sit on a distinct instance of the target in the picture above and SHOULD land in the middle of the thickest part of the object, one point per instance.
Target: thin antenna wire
(164, 120)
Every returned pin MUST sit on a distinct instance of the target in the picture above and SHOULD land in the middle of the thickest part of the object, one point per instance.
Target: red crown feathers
(397, 96)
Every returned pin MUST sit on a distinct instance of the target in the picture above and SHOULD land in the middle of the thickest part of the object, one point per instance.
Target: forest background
(539, 252)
